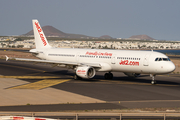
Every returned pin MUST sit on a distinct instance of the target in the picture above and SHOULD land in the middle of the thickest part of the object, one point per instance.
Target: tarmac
(40, 87)
(25, 96)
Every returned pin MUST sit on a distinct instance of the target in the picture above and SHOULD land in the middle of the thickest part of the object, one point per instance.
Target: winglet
(7, 58)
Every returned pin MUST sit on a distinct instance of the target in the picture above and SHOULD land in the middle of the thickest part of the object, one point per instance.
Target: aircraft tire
(153, 82)
(108, 76)
(77, 77)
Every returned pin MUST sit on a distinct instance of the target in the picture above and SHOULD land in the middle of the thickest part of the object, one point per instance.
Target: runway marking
(40, 84)
(30, 77)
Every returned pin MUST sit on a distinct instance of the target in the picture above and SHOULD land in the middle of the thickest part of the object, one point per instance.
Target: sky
(158, 19)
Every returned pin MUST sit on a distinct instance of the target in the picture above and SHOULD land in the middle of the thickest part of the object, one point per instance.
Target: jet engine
(85, 72)
(132, 74)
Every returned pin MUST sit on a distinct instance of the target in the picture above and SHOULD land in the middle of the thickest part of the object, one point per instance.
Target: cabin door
(146, 60)
(77, 57)
(113, 59)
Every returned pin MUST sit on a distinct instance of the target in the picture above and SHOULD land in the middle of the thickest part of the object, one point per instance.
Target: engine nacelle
(132, 74)
(85, 72)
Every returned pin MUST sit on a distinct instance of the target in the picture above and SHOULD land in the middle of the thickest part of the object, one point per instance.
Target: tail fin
(40, 38)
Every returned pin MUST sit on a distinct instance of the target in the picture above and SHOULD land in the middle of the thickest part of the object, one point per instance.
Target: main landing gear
(77, 77)
(153, 80)
(108, 76)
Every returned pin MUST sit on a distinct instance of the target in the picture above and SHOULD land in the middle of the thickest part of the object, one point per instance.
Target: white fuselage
(113, 60)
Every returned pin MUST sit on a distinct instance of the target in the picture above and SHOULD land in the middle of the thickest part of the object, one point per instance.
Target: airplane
(86, 62)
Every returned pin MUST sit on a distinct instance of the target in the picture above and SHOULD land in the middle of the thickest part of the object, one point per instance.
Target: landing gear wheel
(108, 76)
(152, 82)
(77, 77)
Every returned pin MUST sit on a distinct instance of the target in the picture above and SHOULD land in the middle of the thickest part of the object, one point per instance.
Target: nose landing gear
(153, 80)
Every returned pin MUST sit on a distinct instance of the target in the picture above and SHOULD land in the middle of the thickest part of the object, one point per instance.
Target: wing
(97, 65)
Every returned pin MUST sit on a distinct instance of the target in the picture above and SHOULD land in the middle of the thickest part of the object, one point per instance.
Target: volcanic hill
(141, 37)
(50, 31)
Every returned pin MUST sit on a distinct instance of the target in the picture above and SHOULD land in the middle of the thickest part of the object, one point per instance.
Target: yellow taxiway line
(40, 84)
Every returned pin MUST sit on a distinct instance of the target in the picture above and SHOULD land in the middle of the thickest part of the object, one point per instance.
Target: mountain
(50, 31)
(141, 37)
(105, 37)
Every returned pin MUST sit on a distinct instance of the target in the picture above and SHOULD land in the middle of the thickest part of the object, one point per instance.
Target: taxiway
(41, 87)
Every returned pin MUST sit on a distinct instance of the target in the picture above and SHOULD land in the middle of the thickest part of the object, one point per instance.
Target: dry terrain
(15, 54)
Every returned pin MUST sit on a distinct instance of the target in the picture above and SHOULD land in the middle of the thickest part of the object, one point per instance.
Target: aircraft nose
(171, 67)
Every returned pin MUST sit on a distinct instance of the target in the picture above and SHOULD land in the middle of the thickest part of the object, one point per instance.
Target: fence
(91, 115)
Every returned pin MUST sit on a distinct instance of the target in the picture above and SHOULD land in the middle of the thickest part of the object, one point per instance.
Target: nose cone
(171, 67)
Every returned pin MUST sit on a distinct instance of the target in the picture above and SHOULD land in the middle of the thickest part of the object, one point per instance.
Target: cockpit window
(156, 59)
(165, 59)
(162, 59)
